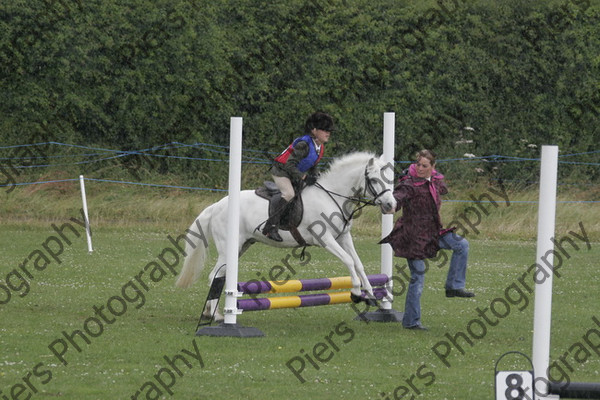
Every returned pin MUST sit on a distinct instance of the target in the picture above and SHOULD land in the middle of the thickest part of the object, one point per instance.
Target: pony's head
(370, 178)
(379, 178)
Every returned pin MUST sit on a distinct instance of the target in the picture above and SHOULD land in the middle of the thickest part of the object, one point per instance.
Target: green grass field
(125, 353)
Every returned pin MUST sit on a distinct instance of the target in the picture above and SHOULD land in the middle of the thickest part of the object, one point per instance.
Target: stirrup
(273, 234)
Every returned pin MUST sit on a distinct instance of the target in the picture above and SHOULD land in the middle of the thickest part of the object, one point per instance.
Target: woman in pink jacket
(419, 234)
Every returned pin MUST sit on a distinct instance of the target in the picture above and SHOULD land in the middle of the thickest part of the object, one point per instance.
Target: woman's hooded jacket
(416, 233)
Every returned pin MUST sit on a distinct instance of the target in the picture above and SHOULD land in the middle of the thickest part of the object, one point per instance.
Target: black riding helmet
(319, 120)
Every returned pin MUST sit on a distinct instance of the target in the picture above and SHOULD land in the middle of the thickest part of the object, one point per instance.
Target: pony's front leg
(345, 241)
(330, 244)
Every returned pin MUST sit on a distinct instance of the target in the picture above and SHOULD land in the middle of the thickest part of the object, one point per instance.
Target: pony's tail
(197, 251)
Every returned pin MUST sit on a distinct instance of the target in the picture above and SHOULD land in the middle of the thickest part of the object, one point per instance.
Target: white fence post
(544, 257)
(386, 313)
(88, 231)
(230, 327)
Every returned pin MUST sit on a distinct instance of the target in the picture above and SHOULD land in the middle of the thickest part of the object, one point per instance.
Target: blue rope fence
(215, 153)
(223, 150)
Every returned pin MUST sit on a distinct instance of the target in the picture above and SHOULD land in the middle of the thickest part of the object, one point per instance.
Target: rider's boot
(271, 228)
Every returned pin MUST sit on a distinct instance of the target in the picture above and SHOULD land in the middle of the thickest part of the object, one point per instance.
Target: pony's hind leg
(219, 271)
(212, 305)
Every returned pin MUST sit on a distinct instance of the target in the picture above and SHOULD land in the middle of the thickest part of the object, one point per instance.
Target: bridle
(371, 188)
(360, 202)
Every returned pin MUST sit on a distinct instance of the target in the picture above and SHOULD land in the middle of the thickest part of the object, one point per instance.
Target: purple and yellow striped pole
(304, 285)
(308, 300)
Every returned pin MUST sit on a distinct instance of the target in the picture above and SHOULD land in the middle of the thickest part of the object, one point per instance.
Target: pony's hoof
(371, 302)
(357, 299)
(219, 318)
(213, 318)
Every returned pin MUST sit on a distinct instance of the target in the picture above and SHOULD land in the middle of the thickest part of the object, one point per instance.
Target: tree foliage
(495, 77)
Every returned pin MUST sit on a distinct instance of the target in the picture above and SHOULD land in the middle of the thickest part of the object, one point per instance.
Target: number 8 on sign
(514, 385)
(514, 390)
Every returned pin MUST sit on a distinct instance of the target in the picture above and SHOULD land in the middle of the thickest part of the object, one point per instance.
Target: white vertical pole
(233, 220)
(543, 289)
(85, 214)
(387, 220)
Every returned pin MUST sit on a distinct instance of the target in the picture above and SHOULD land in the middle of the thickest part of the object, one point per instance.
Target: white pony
(350, 181)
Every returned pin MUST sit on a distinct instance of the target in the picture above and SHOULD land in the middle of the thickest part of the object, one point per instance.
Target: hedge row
(464, 77)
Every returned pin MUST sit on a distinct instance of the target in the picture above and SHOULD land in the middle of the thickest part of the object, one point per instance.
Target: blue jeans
(457, 274)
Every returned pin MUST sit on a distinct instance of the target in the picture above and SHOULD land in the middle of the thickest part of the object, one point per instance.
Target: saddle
(292, 215)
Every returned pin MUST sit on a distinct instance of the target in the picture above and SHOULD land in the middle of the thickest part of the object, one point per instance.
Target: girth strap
(297, 236)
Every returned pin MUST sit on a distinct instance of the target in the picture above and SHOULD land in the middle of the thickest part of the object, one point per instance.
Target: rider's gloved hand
(311, 179)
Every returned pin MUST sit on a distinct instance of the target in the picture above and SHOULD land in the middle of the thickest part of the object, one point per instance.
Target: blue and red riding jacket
(307, 162)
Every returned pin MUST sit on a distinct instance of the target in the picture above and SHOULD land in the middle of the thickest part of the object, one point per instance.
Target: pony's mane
(348, 161)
